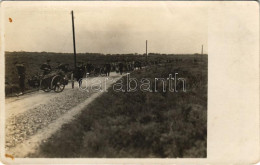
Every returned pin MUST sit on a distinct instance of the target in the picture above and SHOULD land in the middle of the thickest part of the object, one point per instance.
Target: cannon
(55, 81)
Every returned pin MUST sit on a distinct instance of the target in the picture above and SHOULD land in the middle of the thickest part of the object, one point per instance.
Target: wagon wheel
(57, 84)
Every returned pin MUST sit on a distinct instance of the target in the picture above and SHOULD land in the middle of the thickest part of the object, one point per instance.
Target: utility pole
(74, 44)
(202, 50)
(146, 53)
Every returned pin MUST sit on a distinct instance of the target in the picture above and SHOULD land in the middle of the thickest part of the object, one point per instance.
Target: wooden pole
(74, 42)
(146, 52)
(202, 50)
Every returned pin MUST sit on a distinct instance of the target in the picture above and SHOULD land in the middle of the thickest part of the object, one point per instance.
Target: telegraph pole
(146, 53)
(74, 44)
(202, 50)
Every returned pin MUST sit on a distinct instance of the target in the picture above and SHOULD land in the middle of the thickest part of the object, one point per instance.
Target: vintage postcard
(129, 82)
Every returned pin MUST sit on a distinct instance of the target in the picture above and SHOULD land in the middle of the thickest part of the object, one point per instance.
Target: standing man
(80, 72)
(108, 69)
(121, 66)
(21, 75)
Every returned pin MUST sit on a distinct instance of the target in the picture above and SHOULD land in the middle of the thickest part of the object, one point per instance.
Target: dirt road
(32, 118)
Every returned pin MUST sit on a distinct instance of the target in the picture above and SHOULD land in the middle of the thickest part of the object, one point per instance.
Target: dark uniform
(108, 69)
(80, 71)
(89, 67)
(21, 75)
(46, 68)
(46, 83)
(121, 66)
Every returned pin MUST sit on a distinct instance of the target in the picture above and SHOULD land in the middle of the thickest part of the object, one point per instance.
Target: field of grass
(141, 124)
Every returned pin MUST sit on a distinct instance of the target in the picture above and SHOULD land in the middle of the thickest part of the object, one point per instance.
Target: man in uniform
(121, 66)
(46, 67)
(21, 75)
(80, 71)
(89, 67)
(108, 69)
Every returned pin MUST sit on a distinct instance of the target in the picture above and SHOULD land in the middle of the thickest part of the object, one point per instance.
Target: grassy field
(141, 124)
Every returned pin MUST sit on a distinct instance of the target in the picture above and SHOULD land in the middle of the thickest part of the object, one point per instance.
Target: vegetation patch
(140, 124)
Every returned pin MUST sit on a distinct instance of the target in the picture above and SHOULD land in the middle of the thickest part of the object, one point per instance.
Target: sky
(106, 27)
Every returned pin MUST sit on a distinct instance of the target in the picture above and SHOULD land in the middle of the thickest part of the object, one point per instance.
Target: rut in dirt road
(32, 119)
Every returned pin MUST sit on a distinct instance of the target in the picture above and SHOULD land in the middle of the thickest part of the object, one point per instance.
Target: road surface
(34, 117)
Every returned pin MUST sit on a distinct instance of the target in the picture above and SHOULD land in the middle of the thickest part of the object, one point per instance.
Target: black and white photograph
(106, 81)
(117, 79)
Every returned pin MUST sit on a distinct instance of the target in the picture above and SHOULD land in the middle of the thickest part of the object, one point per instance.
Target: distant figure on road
(46, 67)
(121, 66)
(89, 67)
(21, 75)
(108, 69)
(80, 71)
(138, 64)
(116, 67)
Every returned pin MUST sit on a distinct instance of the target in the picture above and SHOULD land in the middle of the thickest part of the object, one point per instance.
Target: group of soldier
(80, 70)
(46, 68)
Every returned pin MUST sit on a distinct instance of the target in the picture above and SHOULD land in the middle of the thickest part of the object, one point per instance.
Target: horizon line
(108, 53)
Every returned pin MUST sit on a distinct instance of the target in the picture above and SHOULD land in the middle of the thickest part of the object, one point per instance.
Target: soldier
(108, 69)
(132, 65)
(80, 71)
(89, 67)
(46, 67)
(21, 75)
(138, 65)
(121, 66)
(116, 67)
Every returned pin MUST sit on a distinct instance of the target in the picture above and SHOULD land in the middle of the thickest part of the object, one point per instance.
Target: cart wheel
(58, 84)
